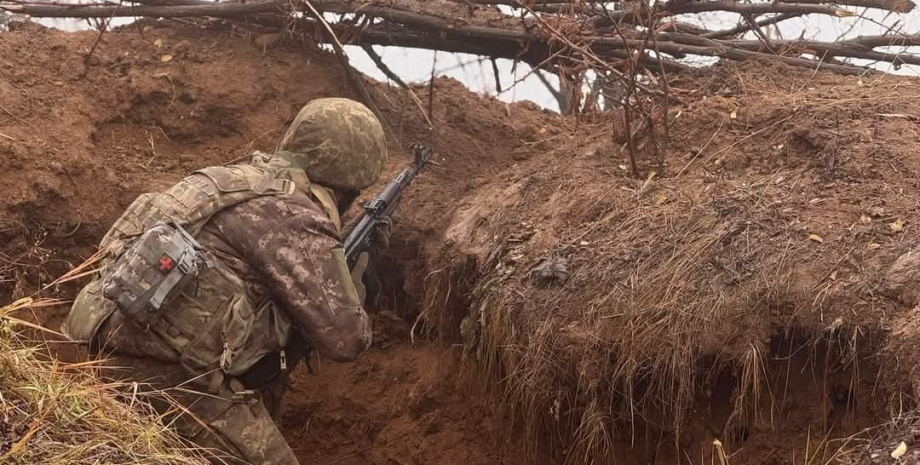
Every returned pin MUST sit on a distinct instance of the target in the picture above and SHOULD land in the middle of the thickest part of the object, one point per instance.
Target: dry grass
(621, 342)
(875, 445)
(678, 280)
(58, 414)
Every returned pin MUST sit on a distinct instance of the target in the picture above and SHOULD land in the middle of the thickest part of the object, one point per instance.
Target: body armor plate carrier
(157, 275)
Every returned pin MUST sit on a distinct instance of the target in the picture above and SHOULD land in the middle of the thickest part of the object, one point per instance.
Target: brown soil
(756, 290)
(78, 142)
(404, 405)
(773, 156)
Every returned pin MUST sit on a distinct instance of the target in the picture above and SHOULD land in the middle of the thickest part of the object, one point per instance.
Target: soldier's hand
(381, 233)
(357, 273)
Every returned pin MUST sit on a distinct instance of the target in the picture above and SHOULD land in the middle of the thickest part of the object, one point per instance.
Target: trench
(817, 395)
(411, 400)
(414, 397)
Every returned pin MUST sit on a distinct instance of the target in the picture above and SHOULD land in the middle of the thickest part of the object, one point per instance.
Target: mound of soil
(81, 135)
(84, 135)
(756, 292)
(761, 278)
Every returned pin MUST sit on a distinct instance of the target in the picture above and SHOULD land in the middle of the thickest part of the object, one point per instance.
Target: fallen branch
(742, 28)
(756, 8)
(869, 42)
(378, 60)
(896, 6)
(215, 10)
(536, 41)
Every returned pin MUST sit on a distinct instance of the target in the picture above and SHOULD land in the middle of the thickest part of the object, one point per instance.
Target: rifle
(382, 206)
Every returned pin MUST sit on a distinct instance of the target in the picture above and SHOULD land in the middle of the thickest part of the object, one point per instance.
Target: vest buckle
(226, 358)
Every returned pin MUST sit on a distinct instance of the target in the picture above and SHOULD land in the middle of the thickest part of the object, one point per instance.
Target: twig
(533, 71)
(378, 60)
(714, 135)
(22, 121)
(599, 62)
(667, 90)
(742, 28)
(561, 98)
(343, 59)
(498, 81)
(735, 144)
(630, 89)
(105, 27)
(653, 34)
(434, 60)
(16, 117)
(755, 28)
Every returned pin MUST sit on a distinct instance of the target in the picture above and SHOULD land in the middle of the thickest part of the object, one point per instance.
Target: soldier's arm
(302, 261)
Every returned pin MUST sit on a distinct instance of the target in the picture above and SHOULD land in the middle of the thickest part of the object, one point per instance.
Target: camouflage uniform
(282, 273)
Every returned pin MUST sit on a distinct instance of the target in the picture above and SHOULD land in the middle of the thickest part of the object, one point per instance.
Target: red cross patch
(166, 263)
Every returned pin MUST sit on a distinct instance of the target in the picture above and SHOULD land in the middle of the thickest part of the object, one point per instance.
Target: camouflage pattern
(291, 248)
(284, 168)
(190, 202)
(338, 142)
(279, 284)
(194, 199)
(232, 422)
(286, 250)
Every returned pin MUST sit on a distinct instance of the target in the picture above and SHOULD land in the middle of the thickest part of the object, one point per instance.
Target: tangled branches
(630, 47)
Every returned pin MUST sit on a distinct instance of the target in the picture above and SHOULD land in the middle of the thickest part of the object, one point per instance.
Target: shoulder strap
(196, 198)
(322, 195)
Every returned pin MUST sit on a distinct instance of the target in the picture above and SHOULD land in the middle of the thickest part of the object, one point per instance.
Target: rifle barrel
(382, 205)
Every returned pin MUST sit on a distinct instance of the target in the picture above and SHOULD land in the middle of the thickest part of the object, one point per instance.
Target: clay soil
(81, 135)
(81, 138)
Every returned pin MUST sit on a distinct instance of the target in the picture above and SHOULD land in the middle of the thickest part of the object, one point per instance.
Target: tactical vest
(213, 324)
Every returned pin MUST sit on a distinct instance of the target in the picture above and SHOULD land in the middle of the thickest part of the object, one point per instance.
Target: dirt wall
(750, 287)
(757, 289)
(81, 135)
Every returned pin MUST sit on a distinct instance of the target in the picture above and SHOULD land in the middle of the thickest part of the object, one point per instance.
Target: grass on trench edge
(62, 414)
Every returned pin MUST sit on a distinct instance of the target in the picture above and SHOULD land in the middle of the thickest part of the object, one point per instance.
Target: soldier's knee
(250, 433)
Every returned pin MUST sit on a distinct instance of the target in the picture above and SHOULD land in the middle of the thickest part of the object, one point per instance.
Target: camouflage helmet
(338, 142)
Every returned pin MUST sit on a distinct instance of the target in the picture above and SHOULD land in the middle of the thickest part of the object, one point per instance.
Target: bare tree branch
(742, 28)
(536, 42)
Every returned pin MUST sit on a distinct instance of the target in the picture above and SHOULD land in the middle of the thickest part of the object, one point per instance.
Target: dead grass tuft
(622, 340)
(59, 414)
(676, 280)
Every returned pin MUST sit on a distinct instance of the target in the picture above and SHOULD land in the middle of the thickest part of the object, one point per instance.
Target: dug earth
(750, 299)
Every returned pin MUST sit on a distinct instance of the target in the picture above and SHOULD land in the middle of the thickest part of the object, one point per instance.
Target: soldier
(215, 288)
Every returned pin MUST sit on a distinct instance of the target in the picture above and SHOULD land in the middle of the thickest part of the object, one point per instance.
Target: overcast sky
(415, 65)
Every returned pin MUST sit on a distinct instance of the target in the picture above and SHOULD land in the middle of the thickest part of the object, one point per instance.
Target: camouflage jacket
(288, 249)
(284, 248)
